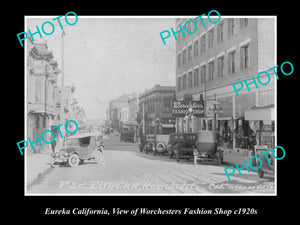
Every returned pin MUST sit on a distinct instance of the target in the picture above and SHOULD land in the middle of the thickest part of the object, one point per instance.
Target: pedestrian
(195, 153)
(53, 144)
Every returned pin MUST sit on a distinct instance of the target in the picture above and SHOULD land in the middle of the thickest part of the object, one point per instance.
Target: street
(126, 170)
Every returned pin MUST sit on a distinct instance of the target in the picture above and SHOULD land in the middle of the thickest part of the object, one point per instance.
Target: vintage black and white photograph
(150, 105)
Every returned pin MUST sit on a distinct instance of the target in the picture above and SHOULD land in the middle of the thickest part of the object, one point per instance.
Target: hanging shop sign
(187, 108)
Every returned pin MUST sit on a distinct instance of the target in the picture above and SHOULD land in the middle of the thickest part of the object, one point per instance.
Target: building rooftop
(40, 50)
(158, 88)
(122, 98)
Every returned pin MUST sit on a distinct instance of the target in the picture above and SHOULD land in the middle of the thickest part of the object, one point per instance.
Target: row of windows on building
(165, 105)
(193, 49)
(39, 93)
(195, 77)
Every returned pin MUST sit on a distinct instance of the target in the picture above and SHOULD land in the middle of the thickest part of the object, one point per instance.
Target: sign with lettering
(210, 108)
(183, 108)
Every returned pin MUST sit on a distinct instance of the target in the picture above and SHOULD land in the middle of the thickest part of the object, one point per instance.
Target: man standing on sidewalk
(53, 144)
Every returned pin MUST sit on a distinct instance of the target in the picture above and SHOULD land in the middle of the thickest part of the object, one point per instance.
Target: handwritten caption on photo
(98, 185)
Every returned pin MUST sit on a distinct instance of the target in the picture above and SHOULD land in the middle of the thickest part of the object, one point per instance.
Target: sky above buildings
(107, 57)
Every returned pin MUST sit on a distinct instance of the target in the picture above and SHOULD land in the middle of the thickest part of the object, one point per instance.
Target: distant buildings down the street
(147, 113)
(118, 112)
(155, 107)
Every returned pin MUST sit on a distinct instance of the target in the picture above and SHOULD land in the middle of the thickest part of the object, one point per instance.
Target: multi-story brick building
(155, 106)
(211, 59)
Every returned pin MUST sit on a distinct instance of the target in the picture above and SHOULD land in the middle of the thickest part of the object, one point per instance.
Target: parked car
(206, 148)
(143, 141)
(149, 146)
(161, 143)
(127, 134)
(154, 143)
(81, 147)
(182, 145)
(201, 146)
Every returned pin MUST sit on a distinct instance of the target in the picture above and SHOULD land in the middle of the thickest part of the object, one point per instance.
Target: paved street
(125, 170)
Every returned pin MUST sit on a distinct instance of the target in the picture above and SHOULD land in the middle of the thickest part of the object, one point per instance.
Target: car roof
(83, 135)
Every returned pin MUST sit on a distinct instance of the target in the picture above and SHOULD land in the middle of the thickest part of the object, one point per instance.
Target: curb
(39, 176)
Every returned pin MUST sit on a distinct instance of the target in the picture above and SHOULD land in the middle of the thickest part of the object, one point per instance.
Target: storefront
(262, 122)
(188, 114)
(239, 122)
(225, 123)
(236, 137)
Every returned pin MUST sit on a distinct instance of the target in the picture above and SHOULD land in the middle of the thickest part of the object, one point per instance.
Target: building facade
(155, 110)
(211, 59)
(133, 108)
(72, 109)
(41, 81)
(133, 114)
(118, 112)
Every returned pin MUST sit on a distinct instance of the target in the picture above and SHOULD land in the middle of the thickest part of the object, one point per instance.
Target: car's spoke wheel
(73, 160)
(98, 156)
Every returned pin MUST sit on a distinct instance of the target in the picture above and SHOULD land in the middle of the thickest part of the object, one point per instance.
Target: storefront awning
(225, 118)
(167, 125)
(261, 113)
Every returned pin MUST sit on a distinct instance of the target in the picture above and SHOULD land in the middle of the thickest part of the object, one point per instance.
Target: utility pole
(62, 97)
(143, 117)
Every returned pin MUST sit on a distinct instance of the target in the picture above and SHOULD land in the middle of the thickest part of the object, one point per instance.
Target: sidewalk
(37, 165)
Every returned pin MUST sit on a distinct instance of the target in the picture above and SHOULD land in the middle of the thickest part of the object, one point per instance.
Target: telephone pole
(62, 97)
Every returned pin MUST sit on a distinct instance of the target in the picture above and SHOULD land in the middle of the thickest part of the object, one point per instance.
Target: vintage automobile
(150, 143)
(80, 147)
(266, 167)
(161, 143)
(154, 143)
(182, 145)
(143, 141)
(127, 134)
(207, 149)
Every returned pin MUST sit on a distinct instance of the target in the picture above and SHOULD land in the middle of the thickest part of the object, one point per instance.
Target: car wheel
(73, 160)
(101, 148)
(98, 156)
